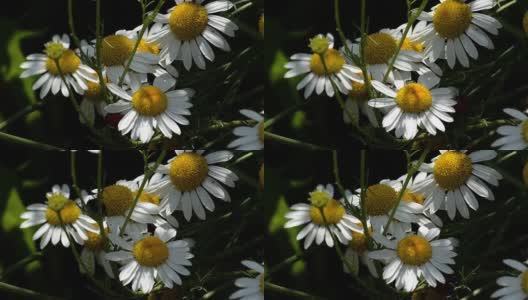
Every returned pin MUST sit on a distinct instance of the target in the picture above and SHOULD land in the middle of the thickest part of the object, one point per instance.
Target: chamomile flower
(415, 105)
(92, 102)
(380, 201)
(318, 78)
(356, 101)
(191, 177)
(412, 256)
(58, 207)
(147, 107)
(379, 51)
(116, 51)
(454, 178)
(76, 73)
(148, 258)
(250, 138)
(250, 288)
(338, 221)
(191, 28)
(514, 137)
(93, 251)
(513, 288)
(455, 27)
(358, 250)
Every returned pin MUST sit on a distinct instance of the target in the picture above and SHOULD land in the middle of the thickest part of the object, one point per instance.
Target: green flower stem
(98, 41)
(21, 263)
(484, 124)
(75, 38)
(337, 17)
(26, 110)
(294, 143)
(240, 9)
(335, 168)
(146, 23)
(412, 18)
(364, 37)
(15, 290)
(410, 173)
(148, 174)
(13, 139)
(268, 286)
(288, 261)
(362, 180)
(283, 114)
(73, 174)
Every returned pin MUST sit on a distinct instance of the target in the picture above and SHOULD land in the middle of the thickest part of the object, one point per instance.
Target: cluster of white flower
(403, 228)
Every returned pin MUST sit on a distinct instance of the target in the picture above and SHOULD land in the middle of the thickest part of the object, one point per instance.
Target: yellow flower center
(69, 63)
(452, 18)
(117, 199)
(524, 131)
(412, 46)
(359, 92)
(379, 199)
(188, 20)
(359, 240)
(148, 198)
(115, 50)
(145, 47)
(524, 281)
(452, 169)
(150, 252)
(319, 198)
(414, 250)
(149, 101)
(333, 213)
(525, 174)
(261, 175)
(188, 171)
(95, 241)
(69, 214)
(379, 48)
(413, 197)
(333, 59)
(94, 92)
(414, 98)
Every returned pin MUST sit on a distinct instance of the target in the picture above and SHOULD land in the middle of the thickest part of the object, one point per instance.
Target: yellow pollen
(379, 199)
(69, 214)
(524, 282)
(414, 250)
(333, 59)
(379, 48)
(145, 47)
(525, 174)
(188, 20)
(413, 197)
(69, 63)
(117, 199)
(115, 50)
(261, 175)
(414, 98)
(149, 101)
(412, 46)
(452, 169)
(333, 213)
(148, 198)
(524, 130)
(451, 18)
(188, 171)
(150, 251)
(95, 241)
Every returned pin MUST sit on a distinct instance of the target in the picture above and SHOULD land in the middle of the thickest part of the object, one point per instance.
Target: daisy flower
(380, 201)
(413, 194)
(513, 288)
(153, 257)
(75, 223)
(191, 28)
(318, 79)
(191, 177)
(338, 221)
(93, 251)
(116, 51)
(455, 27)
(514, 137)
(358, 250)
(415, 105)
(356, 101)
(76, 73)
(92, 101)
(147, 107)
(454, 177)
(413, 256)
(250, 138)
(250, 288)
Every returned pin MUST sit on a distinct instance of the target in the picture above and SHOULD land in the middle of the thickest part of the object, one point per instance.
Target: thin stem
(362, 180)
(26, 110)
(363, 41)
(268, 286)
(148, 174)
(98, 41)
(146, 24)
(73, 174)
(338, 182)
(75, 38)
(411, 21)
(21, 263)
(294, 143)
(27, 142)
(410, 173)
(15, 290)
